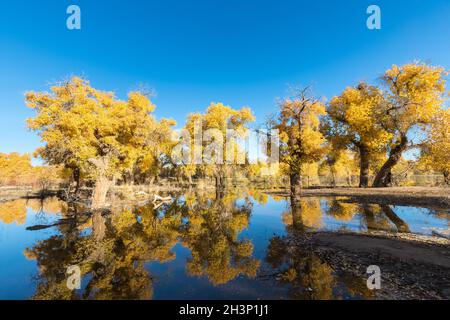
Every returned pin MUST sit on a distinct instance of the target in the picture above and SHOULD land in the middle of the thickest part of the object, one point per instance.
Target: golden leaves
(300, 136)
(360, 110)
(436, 151)
(78, 123)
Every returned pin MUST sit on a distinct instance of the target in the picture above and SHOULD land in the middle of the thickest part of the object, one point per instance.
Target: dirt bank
(12, 193)
(417, 196)
(412, 266)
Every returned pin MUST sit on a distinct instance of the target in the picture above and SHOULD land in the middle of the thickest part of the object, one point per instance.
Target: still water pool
(197, 247)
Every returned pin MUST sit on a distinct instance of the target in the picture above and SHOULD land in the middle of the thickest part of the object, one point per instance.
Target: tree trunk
(98, 226)
(76, 177)
(446, 174)
(102, 185)
(296, 184)
(220, 181)
(333, 178)
(349, 179)
(384, 176)
(220, 186)
(363, 168)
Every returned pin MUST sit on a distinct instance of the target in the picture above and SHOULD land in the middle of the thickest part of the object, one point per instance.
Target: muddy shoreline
(411, 267)
(413, 196)
(13, 193)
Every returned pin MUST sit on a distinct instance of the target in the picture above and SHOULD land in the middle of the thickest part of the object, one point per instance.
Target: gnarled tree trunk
(296, 184)
(98, 226)
(220, 181)
(102, 183)
(220, 186)
(363, 167)
(333, 177)
(77, 178)
(446, 174)
(384, 176)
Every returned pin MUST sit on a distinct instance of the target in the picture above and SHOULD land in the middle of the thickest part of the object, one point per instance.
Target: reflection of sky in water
(419, 220)
(422, 220)
(16, 271)
(171, 279)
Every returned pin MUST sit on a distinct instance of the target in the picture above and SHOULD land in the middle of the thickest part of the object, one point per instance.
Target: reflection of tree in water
(342, 211)
(373, 216)
(307, 276)
(13, 211)
(112, 255)
(298, 265)
(304, 212)
(16, 210)
(111, 249)
(211, 234)
(50, 205)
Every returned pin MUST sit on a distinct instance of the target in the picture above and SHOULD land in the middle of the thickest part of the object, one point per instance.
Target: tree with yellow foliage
(156, 152)
(356, 123)
(15, 168)
(91, 132)
(436, 151)
(301, 141)
(340, 165)
(210, 144)
(414, 93)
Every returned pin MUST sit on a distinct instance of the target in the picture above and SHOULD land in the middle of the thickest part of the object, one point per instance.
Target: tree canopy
(95, 134)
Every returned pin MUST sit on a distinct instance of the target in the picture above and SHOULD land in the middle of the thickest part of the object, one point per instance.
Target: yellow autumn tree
(15, 168)
(156, 152)
(212, 142)
(301, 141)
(91, 132)
(356, 122)
(414, 93)
(339, 165)
(436, 150)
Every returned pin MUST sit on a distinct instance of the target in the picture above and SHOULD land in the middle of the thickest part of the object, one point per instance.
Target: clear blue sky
(242, 53)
